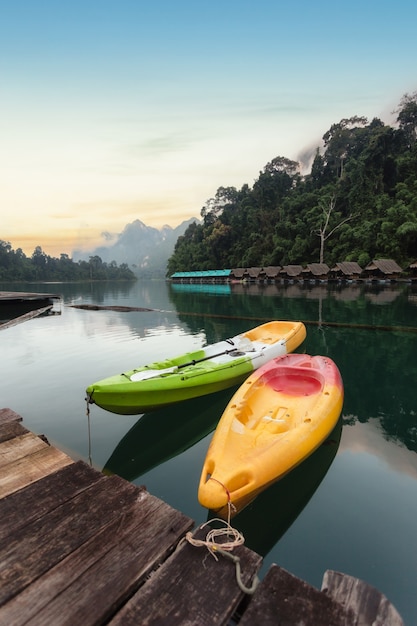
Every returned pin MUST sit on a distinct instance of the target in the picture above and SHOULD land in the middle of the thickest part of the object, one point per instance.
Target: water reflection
(157, 437)
(378, 369)
(268, 517)
(365, 439)
(361, 304)
(361, 518)
(164, 434)
(213, 289)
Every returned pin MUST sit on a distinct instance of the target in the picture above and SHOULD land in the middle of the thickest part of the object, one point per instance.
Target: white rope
(224, 547)
(233, 537)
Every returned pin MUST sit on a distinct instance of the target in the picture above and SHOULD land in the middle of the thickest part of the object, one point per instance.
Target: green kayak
(193, 374)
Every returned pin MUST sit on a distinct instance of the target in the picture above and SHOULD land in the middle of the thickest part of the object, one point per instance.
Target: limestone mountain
(144, 249)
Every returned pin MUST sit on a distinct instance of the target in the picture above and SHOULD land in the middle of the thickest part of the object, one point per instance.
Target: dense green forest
(357, 203)
(15, 265)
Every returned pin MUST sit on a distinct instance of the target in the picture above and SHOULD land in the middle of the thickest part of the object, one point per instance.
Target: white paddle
(146, 374)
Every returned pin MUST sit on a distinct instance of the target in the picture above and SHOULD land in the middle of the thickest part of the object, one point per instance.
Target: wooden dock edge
(25, 317)
(80, 547)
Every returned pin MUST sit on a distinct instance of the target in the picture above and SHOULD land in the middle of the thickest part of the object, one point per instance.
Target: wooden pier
(78, 547)
(15, 297)
(20, 306)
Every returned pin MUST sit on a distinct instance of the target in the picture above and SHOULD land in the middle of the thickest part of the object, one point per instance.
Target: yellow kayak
(275, 420)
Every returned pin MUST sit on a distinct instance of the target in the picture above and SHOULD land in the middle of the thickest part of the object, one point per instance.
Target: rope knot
(233, 539)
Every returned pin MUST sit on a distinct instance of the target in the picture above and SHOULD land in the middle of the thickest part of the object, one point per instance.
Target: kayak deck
(277, 418)
(210, 369)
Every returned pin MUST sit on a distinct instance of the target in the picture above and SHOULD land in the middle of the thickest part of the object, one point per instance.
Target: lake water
(351, 507)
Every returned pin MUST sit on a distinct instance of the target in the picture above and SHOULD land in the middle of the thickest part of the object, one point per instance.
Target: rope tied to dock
(230, 538)
(233, 539)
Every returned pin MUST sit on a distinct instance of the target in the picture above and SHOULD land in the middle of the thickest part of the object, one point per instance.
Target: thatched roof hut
(347, 269)
(382, 268)
(291, 271)
(272, 271)
(238, 273)
(254, 272)
(316, 270)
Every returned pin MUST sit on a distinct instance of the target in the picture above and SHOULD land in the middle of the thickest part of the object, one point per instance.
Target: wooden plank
(191, 588)
(93, 582)
(7, 415)
(31, 468)
(283, 599)
(19, 447)
(37, 499)
(35, 548)
(26, 295)
(366, 602)
(10, 430)
(25, 317)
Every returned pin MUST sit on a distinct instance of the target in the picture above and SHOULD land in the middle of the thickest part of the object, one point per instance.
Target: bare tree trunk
(327, 210)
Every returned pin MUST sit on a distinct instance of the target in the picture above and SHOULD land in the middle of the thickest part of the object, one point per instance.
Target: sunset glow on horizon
(117, 112)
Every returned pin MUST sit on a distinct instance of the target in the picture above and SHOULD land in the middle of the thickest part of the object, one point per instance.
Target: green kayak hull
(211, 369)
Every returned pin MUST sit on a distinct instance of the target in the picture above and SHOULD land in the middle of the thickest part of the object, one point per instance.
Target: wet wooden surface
(19, 296)
(79, 547)
(20, 306)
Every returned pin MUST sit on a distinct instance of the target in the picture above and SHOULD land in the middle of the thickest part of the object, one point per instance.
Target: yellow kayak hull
(275, 420)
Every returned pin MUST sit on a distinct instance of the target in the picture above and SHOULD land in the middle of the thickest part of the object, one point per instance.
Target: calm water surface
(351, 507)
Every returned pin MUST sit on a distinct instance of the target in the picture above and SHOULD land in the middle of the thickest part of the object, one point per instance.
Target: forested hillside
(358, 202)
(15, 265)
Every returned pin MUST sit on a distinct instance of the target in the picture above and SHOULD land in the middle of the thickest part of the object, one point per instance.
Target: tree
(288, 218)
(40, 263)
(327, 207)
(281, 165)
(407, 117)
(96, 265)
(338, 140)
(214, 207)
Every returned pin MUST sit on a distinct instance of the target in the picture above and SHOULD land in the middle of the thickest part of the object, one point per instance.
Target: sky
(112, 111)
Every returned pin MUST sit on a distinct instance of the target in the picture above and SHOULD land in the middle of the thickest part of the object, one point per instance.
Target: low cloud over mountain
(145, 249)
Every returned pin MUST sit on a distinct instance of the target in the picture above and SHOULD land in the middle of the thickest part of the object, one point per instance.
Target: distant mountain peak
(144, 248)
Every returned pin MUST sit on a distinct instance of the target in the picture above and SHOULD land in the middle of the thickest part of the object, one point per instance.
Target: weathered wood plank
(9, 430)
(77, 547)
(286, 600)
(35, 548)
(19, 447)
(35, 500)
(8, 415)
(31, 468)
(191, 588)
(366, 602)
(25, 317)
(93, 582)
(21, 296)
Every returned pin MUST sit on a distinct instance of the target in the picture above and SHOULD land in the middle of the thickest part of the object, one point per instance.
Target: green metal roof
(202, 274)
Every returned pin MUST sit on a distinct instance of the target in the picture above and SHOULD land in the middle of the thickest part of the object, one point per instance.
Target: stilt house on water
(348, 270)
(377, 270)
(271, 272)
(382, 269)
(316, 271)
(203, 276)
(289, 272)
